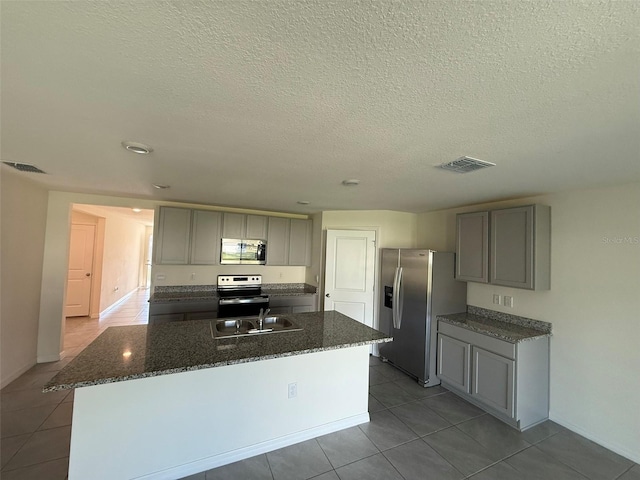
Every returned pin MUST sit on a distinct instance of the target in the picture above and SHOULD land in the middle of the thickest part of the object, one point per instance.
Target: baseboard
(118, 302)
(619, 449)
(10, 378)
(49, 358)
(253, 450)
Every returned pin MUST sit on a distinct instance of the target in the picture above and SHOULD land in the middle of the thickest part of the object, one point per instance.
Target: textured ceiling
(259, 104)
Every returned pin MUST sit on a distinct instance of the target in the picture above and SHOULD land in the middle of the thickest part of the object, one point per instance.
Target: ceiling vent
(466, 165)
(24, 167)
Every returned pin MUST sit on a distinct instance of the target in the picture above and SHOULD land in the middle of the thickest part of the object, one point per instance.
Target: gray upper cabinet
(289, 241)
(174, 230)
(472, 247)
(509, 247)
(300, 242)
(240, 225)
(520, 247)
(205, 237)
(278, 241)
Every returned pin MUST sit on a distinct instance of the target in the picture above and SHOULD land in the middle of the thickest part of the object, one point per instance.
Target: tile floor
(414, 433)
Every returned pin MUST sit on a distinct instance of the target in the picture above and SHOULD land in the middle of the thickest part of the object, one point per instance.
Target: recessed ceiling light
(351, 182)
(160, 186)
(137, 210)
(136, 147)
(302, 202)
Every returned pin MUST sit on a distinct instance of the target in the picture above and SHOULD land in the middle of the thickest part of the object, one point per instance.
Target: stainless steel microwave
(241, 251)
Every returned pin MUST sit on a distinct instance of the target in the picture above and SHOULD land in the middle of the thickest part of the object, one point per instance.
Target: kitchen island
(170, 400)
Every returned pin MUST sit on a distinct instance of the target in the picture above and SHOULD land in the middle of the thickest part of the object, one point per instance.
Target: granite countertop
(139, 351)
(199, 293)
(511, 328)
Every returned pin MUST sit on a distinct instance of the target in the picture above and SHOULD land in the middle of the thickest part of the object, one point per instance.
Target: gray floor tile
(300, 461)
(346, 446)
(499, 471)
(386, 431)
(375, 405)
(26, 420)
(376, 377)
(420, 418)
(460, 450)
(10, 446)
(540, 432)
(373, 361)
(70, 395)
(254, 468)
(60, 417)
(390, 394)
(21, 399)
(452, 407)
(632, 474)
(494, 435)
(372, 468)
(585, 456)
(417, 460)
(332, 475)
(533, 464)
(411, 385)
(392, 373)
(29, 380)
(41, 447)
(197, 476)
(51, 470)
(51, 366)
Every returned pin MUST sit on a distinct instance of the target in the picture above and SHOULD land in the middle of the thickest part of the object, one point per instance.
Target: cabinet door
(453, 362)
(302, 309)
(278, 241)
(472, 247)
(233, 225)
(256, 227)
(205, 237)
(512, 247)
(300, 242)
(165, 318)
(279, 310)
(174, 230)
(493, 380)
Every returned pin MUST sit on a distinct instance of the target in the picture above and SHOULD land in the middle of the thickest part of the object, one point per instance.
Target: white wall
(23, 215)
(395, 229)
(208, 274)
(593, 304)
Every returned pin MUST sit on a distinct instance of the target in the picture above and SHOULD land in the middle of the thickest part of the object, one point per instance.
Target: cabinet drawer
(486, 342)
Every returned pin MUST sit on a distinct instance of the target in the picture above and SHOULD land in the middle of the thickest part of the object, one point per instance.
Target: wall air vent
(24, 167)
(466, 165)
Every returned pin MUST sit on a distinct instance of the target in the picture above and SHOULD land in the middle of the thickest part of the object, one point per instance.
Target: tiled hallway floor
(414, 433)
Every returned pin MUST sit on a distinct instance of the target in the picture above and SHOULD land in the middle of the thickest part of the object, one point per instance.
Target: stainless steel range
(240, 296)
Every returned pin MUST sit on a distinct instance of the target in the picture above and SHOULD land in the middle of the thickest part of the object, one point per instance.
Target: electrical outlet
(508, 301)
(193, 276)
(496, 299)
(293, 390)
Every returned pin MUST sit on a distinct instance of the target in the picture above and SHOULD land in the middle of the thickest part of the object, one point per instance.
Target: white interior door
(350, 273)
(80, 270)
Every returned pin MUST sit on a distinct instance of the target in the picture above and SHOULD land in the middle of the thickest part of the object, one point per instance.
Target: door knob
(87, 274)
(327, 295)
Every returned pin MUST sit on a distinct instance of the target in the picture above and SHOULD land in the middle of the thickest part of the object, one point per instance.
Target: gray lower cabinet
(282, 304)
(507, 380)
(181, 311)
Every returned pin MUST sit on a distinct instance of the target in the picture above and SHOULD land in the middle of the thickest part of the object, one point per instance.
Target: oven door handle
(238, 301)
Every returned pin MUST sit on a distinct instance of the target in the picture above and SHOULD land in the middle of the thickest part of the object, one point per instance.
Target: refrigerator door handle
(400, 297)
(394, 299)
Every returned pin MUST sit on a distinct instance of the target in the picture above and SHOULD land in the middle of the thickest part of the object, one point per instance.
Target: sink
(238, 327)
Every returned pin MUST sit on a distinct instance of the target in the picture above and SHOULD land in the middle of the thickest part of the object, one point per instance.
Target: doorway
(350, 262)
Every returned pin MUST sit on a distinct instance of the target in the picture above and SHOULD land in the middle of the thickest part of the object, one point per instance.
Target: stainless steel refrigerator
(416, 285)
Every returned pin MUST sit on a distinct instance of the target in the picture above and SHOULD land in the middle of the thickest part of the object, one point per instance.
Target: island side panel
(175, 425)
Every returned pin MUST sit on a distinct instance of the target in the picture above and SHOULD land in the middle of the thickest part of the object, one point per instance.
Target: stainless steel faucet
(263, 313)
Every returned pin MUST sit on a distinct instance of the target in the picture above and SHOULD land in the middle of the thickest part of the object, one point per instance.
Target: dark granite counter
(510, 328)
(139, 351)
(199, 293)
